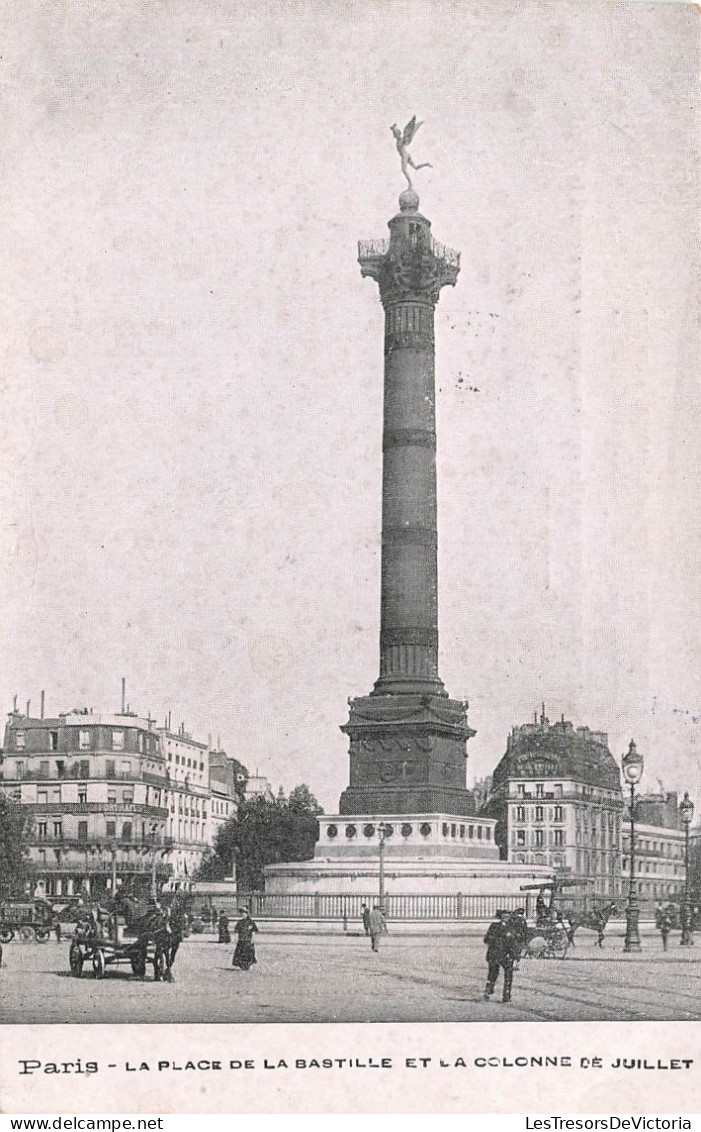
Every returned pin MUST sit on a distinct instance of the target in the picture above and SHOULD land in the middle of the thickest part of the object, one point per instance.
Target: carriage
(28, 919)
(105, 938)
(550, 941)
(551, 937)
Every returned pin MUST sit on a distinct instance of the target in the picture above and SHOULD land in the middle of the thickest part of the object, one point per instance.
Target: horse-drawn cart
(550, 941)
(29, 919)
(101, 952)
(128, 933)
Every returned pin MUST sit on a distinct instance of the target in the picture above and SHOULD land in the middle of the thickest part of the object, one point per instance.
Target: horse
(596, 920)
(149, 923)
(177, 920)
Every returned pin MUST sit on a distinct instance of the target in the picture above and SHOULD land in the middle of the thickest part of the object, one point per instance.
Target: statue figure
(403, 140)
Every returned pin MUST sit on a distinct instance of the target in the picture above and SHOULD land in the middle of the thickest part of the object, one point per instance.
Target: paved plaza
(319, 978)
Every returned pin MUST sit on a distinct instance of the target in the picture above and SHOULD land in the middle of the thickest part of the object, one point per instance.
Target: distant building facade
(659, 848)
(115, 800)
(187, 764)
(227, 783)
(556, 795)
(96, 789)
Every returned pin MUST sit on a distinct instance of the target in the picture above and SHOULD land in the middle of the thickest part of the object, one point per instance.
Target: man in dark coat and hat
(502, 949)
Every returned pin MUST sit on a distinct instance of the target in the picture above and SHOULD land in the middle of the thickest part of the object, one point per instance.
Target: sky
(192, 365)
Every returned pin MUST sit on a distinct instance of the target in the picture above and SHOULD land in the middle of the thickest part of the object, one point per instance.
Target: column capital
(407, 273)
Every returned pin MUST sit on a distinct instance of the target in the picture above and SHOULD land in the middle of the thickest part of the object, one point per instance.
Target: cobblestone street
(338, 978)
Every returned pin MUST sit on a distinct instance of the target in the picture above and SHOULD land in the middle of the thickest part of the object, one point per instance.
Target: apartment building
(556, 795)
(97, 793)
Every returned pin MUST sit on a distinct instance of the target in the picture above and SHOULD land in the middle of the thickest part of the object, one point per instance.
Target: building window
(111, 797)
(558, 813)
(110, 768)
(557, 790)
(20, 740)
(539, 836)
(53, 740)
(125, 767)
(42, 797)
(117, 740)
(84, 740)
(520, 837)
(111, 829)
(44, 768)
(41, 830)
(521, 790)
(520, 813)
(128, 795)
(126, 831)
(559, 837)
(539, 813)
(539, 789)
(19, 768)
(58, 829)
(82, 831)
(479, 832)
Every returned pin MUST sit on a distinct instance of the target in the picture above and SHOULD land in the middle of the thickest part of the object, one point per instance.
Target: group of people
(245, 951)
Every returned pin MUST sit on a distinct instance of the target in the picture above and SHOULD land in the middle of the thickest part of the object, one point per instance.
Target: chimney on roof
(42, 705)
(28, 705)
(124, 692)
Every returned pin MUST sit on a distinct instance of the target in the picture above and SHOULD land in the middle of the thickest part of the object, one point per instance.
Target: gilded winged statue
(403, 139)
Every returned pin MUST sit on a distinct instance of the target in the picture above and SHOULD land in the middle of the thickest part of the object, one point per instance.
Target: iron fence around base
(330, 906)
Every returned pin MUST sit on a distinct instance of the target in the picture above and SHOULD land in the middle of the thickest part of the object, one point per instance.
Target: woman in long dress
(245, 953)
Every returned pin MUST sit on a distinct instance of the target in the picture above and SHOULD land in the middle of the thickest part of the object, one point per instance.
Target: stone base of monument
(441, 854)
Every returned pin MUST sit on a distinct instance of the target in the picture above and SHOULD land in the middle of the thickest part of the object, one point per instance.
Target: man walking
(501, 944)
(365, 915)
(377, 925)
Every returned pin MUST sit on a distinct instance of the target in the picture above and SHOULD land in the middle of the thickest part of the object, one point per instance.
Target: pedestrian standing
(245, 953)
(664, 923)
(365, 913)
(501, 944)
(224, 936)
(377, 925)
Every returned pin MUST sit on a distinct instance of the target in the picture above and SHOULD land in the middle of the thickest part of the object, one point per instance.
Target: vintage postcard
(350, 513)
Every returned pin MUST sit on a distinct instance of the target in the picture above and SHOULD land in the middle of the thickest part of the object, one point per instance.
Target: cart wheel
(98, 963)
(26, 933)
(75, 960)
(6, 935)
(42, 935)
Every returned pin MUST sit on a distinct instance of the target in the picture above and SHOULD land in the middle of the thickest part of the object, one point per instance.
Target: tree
(14, 857)
(262, 833)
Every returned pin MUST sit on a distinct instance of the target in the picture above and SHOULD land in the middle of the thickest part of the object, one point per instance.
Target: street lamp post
(686, 813)
(632, 772)
(383, 831)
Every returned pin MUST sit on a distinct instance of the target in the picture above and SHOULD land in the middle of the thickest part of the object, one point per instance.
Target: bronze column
(407, 737)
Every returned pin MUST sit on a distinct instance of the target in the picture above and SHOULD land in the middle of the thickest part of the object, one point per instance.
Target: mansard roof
(558, 750)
